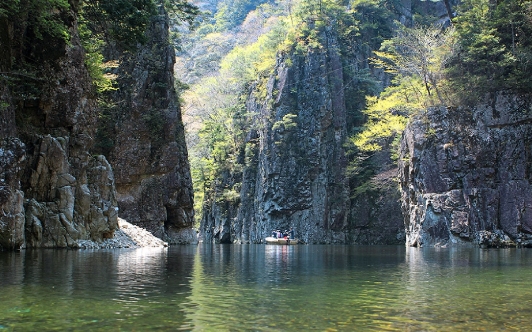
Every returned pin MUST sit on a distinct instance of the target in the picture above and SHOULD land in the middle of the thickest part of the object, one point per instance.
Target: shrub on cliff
(495, 48)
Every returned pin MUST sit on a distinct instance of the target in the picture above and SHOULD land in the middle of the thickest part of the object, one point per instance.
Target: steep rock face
(375, 215)
(12, 222)
(149, 154)
(53, 191)
(466, 175)
(292, 171)
(294, 174)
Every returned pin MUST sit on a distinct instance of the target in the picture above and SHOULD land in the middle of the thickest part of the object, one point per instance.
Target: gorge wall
(148, 150)
(299, 180)
(294, 163)
(296, 167)
(56, 188)
(53, 191)
(466, 175)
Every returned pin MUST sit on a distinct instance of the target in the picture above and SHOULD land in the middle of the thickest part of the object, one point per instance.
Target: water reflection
(267, 288)
(45, 289)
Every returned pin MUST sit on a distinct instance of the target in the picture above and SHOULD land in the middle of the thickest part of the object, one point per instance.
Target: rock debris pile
(126, 236)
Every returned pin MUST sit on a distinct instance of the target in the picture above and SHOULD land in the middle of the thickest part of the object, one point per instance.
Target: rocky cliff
(300, 176)
(466, 175)
(56, 189)
(297, 166)
(294, 162)
(148, 150)
(53, 191)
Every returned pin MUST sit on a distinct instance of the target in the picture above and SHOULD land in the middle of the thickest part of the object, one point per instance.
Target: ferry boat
(282, 240)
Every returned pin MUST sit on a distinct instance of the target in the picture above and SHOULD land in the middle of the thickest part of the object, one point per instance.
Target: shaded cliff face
(294, 169)
(299, 180)
(294, 163)
(466, 176)
(148, 154)
(297, 167)
(53, 192)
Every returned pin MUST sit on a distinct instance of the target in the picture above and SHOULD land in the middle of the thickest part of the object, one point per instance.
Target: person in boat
(292, 233)
(279, 234)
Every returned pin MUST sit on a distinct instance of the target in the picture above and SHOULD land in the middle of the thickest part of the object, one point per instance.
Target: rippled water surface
(267, 288)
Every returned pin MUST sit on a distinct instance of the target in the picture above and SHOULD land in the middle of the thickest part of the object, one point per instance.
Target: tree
(495, 46)
(125, 21)
(388, 114)
(231, 13)
(420, 51)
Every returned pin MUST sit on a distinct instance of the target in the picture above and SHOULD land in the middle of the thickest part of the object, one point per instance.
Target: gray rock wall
(149, 154)
(53, 191)
(12, 221)
(294, 174)
(466, 175)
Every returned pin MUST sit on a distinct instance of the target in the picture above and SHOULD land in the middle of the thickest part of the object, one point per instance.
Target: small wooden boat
(274, 240)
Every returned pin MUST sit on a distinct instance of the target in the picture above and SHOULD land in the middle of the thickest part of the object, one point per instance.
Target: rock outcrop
(300, 177)
(12, 222)
(53, 191)
(466, 175)
(149, 154)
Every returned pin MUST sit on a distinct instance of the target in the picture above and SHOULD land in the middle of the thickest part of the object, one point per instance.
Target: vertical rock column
(299, 180)
(149, 154)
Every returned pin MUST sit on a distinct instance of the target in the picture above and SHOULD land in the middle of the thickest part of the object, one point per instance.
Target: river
(266, 288)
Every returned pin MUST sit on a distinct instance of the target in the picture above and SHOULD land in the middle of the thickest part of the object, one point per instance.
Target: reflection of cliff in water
(253, 278)
(114, 283)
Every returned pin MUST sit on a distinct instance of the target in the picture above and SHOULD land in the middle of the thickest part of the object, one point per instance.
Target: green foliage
(125, 21)
(181, 11)
(219, 148)
(302, 26)
(283, 129)
(246, 63)
(308, 19)
(232, 13)
(421, 52)
(94, 60)
(122, 21)
(287, 123)
(32, 32)
(8, 8)
(495, 47)
(373, 21)
(416, 57)
(42, 16)
(388, 114)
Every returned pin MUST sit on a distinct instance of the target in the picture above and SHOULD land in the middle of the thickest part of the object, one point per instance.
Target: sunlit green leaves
(422, 52)
(388, 114)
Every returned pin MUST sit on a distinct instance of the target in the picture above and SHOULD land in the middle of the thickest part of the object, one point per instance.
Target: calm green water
(267, 288)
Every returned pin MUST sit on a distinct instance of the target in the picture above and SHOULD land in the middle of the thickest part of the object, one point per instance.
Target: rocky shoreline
(126, 236)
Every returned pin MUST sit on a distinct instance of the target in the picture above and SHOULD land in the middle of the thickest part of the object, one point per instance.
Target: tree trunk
(449, 10)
